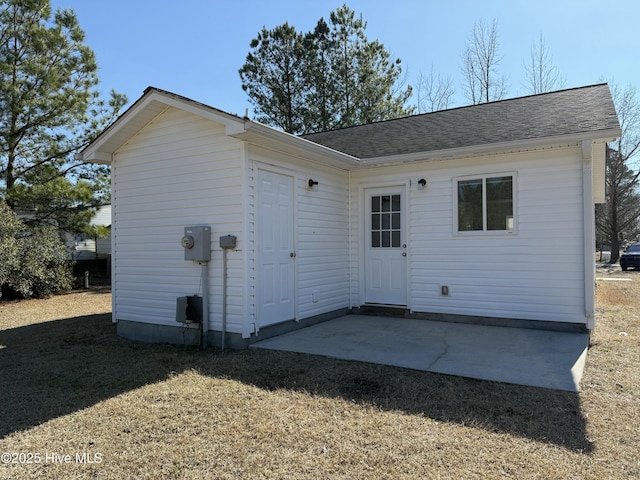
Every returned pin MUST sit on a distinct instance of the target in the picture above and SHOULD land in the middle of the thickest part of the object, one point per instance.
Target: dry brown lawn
(76, 401)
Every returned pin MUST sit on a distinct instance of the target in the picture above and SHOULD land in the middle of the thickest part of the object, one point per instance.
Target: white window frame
(484, 231)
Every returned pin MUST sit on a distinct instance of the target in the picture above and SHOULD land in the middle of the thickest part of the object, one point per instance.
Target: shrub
(32, 263)
(10, 227)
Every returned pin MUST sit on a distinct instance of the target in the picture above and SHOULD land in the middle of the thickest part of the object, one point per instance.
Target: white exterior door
(385, 265)
(275, 248)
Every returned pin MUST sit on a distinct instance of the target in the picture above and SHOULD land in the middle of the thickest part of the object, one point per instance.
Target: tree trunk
(615, 234)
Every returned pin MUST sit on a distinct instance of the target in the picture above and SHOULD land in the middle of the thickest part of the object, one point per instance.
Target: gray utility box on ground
(197, 243)
(189, 309)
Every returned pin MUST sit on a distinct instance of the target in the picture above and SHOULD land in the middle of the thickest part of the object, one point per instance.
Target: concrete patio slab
(536, 358)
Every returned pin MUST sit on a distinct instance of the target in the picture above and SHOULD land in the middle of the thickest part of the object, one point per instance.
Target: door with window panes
(385, 259)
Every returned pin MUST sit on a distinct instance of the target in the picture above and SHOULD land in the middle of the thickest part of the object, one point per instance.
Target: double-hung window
(485, 203)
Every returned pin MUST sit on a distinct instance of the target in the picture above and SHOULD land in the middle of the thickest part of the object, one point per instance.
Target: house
(87, 248)
(91, 254)
(475, 214)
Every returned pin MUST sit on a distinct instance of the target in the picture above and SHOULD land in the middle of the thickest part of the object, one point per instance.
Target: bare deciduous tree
(483, 82)
(617, 219)
(541, 73)
(433, 92)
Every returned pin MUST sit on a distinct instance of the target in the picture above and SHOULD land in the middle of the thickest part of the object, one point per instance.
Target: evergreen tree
(49, 109)
(364, 76)
(347, 33)
(331, 77)
(33, 262)
(321, 96)
(273, 77)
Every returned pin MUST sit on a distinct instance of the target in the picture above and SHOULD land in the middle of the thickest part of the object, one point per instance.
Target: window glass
(499, 203)
(470, 205)
(485, 204)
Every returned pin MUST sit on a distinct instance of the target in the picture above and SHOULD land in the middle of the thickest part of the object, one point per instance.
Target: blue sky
(195, 47)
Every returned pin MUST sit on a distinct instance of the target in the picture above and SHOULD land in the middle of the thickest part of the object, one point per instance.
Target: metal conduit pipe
(227, 242)
(205, 302)
(224, 297)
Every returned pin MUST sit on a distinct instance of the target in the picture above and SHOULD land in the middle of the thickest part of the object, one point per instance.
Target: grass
(70, 386)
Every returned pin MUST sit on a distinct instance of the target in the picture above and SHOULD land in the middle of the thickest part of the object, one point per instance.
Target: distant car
(631, 257)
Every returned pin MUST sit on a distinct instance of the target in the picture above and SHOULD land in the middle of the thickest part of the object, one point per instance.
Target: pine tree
(49, 109)
(321, 96)
(331, 77)
(273, 77)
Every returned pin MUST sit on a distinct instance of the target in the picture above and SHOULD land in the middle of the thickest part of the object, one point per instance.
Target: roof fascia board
(94, 153)
(231, 122)
(493, 148)
(95, 157)
(343, 160)
(234, 126)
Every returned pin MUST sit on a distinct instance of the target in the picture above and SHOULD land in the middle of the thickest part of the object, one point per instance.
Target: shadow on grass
(57, 368)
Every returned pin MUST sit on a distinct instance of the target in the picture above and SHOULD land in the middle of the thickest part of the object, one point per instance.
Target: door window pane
(375, 239)
(375, 221)
(395, 239)
(386, 239)
(386, 221)
(386, 203)
(395, 203)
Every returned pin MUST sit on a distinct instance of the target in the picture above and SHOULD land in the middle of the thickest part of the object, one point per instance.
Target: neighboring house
(87, 248)
(481, 214)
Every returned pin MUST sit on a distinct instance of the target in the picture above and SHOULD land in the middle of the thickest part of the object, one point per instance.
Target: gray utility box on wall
(197, 243)
(228, 241)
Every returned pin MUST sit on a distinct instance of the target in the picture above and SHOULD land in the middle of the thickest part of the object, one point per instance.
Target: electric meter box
(197, 243)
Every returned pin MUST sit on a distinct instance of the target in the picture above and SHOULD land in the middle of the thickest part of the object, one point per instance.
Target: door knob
(292, 254)
(404, 254)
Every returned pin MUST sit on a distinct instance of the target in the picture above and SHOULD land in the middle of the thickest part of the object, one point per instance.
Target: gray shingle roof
(573, 111)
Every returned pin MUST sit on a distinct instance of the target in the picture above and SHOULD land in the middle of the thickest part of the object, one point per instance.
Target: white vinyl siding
(323, 245)
(536, 274)
(180, 170)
